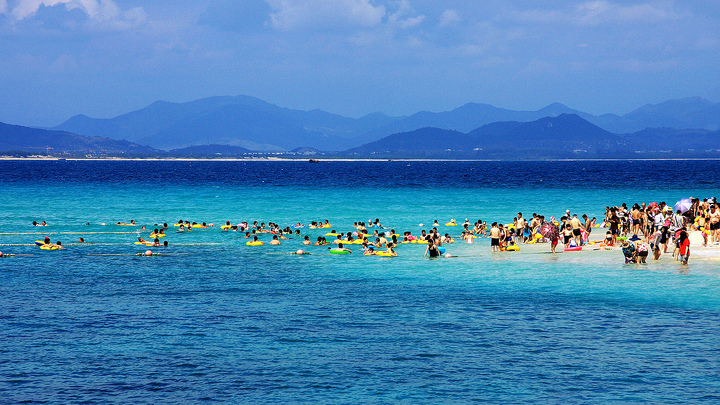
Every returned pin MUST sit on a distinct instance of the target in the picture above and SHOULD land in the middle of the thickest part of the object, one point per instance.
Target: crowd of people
(639, 230)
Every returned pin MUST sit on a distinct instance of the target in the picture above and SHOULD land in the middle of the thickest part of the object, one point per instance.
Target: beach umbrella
(683, 205)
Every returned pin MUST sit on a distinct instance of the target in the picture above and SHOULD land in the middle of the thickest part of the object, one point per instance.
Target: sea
(209, 319)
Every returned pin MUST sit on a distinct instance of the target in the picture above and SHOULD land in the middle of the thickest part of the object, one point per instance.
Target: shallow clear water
(231, 323)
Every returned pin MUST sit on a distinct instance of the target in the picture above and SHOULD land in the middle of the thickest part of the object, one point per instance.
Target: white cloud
(3, 6)
(602, 12)
(449, 17)
(293, 14)
(405, 16)
(97, 10)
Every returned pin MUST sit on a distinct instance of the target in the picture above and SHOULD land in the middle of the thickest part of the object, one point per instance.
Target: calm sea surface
(214, 320)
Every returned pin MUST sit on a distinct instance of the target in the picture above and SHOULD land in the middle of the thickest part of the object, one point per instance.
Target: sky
(103, 58)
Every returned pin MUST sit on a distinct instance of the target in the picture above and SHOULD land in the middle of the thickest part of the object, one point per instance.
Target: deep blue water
(213, 320)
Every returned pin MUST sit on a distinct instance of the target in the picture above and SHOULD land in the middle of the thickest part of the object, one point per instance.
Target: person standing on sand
(684, 244)
(567, 235)
(714, 217)
(520, 228)
(614, 222)
(588, 225)
(635, 221)
(494, 237)
(575, 225)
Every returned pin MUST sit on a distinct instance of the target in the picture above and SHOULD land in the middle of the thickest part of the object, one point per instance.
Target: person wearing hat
(629, 252)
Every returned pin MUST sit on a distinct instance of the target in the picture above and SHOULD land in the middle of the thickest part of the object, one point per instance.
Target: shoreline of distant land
(334, 159)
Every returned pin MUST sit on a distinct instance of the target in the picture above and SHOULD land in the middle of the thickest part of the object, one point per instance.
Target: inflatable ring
(513, 248)
(388, 254)
(450, 224)
(49, 247)
(255, 243)
(573, 249)
(339, 251)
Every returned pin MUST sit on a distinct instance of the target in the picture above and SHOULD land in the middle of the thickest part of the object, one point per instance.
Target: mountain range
(240, 125)
(564, 136)
(254, 124)
(19, 138)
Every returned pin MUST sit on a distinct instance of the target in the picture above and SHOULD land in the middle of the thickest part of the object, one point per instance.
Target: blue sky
(103, 58)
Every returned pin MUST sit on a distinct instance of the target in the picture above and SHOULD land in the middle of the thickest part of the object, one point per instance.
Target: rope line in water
(113, 244)
(64, 233)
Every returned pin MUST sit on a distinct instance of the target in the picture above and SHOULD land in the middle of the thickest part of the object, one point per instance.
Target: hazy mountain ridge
(567, 135)
(255, 124)
(239, 121)
(15, 137)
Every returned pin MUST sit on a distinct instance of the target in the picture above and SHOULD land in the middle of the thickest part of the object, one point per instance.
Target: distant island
(221, 127)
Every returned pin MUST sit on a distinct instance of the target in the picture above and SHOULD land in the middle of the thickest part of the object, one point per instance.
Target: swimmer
(431, 250)
(307, 241)
(81, 240)
(156, 233)
(369, 251)
(341, 247)
(275, 240)
(390, 250)
(165, 243)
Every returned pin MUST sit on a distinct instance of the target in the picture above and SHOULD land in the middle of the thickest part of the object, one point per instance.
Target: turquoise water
(214, 320)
